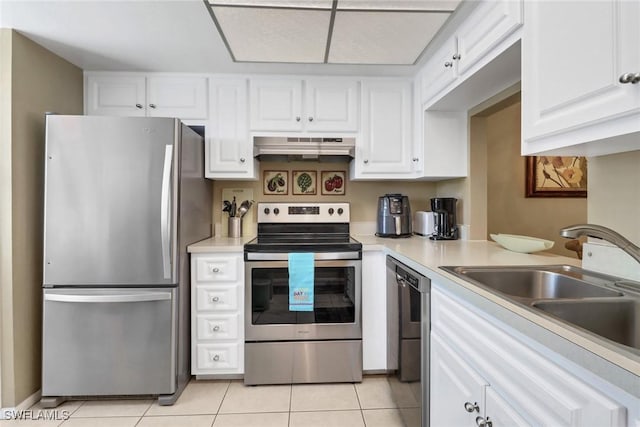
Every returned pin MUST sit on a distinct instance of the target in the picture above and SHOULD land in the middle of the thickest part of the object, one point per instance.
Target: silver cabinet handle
(215, 270)
(366, 161)
(632, 78)
(310, 119)
(216, 358)
(216, 328)
(215, 299)
(456, 56)
(470, 407)
(165, 212)
(152, 105)
(139, 106)
(242, 160)
(415, 159)
(448, 64)
(482, 422)
(297, 118)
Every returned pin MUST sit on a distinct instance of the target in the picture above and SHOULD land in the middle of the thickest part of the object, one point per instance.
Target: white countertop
(426, 256)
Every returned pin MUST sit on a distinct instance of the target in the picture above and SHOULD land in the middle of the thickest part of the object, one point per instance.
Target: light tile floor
(231, 403)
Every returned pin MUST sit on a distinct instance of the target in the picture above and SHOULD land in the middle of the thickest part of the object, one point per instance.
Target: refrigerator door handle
(141, 297)
(165, 211)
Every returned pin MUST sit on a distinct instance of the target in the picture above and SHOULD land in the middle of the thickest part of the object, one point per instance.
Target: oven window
(334, 297)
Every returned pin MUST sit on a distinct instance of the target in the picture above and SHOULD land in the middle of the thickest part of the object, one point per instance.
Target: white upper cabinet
(578, 67)
(384, 149)
(229, 151)
(115, 95)
(313, 105)
(118, 94)
(488, 30)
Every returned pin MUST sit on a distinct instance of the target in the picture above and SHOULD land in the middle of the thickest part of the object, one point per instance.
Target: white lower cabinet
(482, 374)
(217, 314)
(374, 311)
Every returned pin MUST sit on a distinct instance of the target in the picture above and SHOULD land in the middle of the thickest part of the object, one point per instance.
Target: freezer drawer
(109, 342)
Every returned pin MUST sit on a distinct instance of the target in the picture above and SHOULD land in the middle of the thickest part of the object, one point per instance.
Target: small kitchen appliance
(444, 210)
(423, 223)
(394, 216)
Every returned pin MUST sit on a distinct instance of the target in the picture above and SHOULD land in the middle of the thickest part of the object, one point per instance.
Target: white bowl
(524, 244)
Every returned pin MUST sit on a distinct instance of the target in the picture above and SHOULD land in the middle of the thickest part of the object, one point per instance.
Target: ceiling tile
(304, 4)
(382, 38)
(274, 35)
(424, 5)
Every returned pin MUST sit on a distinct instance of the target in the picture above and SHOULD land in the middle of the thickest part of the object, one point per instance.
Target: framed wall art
(332, 183)
(303, 182)
(275, 182)
(556, 176)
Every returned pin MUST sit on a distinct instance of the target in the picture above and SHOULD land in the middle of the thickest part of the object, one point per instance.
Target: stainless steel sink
(556, 282)
(616, 320)
(603, 306)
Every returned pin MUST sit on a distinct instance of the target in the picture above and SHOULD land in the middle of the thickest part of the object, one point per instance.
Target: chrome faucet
(600, 232)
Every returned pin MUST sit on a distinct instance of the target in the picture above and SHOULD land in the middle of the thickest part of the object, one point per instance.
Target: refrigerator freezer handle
(165, 211)
(147, 296)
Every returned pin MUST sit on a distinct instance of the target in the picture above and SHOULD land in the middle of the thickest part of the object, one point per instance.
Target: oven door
(336, 313)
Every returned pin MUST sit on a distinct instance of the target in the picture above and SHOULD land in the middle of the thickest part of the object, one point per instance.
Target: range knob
(331, 211)
(276, 211)
(266, 211)
(340, 211)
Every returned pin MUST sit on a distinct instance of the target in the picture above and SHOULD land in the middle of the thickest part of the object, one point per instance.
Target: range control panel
(303, 212)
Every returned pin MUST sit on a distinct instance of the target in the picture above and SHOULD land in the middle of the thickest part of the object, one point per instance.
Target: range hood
(328, 149)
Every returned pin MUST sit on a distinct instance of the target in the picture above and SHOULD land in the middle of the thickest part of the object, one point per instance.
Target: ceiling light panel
(274, 35)
(421, 5)
(382, 37)
(299, 4)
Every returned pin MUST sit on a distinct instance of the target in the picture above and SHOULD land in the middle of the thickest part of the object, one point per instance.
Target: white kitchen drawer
(217, 268)
(217, 327)
(217, 356)
(217, 298)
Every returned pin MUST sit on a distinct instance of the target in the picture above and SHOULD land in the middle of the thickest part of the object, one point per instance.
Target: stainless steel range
(323, 344)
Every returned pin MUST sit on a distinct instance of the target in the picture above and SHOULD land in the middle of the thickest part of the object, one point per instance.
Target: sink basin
(618, 321)
(534, 282)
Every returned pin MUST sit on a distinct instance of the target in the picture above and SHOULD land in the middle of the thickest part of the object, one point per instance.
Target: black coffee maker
(445, 224)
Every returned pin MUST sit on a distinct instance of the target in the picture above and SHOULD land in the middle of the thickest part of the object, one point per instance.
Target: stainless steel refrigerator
(123, 199)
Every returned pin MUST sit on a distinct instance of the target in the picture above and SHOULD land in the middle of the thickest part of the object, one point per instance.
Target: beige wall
(508, 211)
(363, 195)
(40, 82)
(614, 193)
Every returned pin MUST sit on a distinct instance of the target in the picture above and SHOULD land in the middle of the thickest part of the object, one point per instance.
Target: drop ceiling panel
(382, 38)
(305, 4)
(274, 35)
(424, 5)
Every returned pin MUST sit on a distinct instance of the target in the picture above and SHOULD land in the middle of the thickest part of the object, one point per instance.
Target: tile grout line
(364, 423)
(290, 403)
(224, 395)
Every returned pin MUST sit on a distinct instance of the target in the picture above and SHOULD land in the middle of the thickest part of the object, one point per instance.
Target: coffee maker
(394, 216)
(445, 224)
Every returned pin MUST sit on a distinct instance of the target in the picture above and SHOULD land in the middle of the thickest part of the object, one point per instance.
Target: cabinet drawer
(217, 298)
(217, 356)
(217, 269)
(217, 327)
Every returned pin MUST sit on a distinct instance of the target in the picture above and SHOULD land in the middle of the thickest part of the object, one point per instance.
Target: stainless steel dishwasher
(408, 326)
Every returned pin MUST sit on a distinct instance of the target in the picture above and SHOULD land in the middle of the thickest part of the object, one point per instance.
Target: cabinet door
(571, 66)
(230, 149)
(182, 97)
(489, 24)
(456, 390)
(439, 71)
(499, 412)
(385, 147)
(331, 105)
(374, 311)
(276, 105)
(115, 96)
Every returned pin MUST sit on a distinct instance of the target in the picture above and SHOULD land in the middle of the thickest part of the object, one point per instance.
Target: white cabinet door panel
(218, 268)
(217, 327)
(331, 105)
(182, 97)
(440, 70)
(213, 298)
(500, 413)
(116, 95)
(219, 356)
(374, 311)
(276, 105)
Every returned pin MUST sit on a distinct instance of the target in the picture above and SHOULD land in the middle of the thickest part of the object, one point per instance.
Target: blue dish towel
(301, 281)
